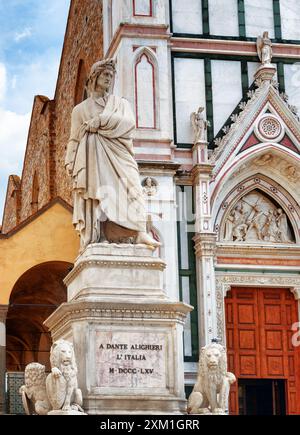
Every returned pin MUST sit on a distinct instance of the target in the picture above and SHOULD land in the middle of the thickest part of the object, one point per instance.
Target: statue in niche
(100, 160)
(200, 125)
(258, 221)
(149, 186)
(264, 49)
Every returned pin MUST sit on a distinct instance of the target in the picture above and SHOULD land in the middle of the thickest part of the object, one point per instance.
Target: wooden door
(258, 329)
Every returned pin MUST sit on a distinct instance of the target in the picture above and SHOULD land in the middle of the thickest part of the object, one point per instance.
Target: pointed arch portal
(268, 193)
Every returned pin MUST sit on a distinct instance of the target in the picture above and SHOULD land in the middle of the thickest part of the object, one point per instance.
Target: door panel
(258, 329)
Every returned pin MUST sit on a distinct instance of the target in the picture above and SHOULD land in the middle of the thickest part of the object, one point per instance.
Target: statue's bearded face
(104, 80)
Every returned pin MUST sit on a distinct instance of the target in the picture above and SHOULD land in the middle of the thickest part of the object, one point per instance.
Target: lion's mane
(56, 355)
(216, 375)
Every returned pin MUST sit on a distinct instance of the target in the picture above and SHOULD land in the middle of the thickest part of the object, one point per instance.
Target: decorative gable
(266, 118)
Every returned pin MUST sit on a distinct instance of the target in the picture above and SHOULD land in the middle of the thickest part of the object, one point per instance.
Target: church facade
(224, 203)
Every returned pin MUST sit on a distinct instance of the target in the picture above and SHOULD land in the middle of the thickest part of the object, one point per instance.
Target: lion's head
(213, 359)
(62, 354)
(35, 375)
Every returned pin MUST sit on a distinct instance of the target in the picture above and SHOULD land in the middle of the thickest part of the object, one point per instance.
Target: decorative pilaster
(201, 177)
(205, 239)
(265, 74)
(200, 153)
(3, 314)
(205, 246)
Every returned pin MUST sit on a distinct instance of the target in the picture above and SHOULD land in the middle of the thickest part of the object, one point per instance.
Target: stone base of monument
(59, 412)
(127, 334)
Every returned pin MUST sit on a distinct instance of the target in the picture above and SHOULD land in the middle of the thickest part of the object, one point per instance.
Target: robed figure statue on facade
(100, 160)
(264, 49)
(200, 125)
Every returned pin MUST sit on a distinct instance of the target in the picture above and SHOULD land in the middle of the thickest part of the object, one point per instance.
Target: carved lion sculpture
(61, 383)
(34, 395)
(211, 391)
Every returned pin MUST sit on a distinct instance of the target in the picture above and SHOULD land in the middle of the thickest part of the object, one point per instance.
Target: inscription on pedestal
(130, 359)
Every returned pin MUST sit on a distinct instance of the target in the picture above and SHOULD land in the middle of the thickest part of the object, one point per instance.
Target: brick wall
(37, 157)
(83, 46)
(11, 216)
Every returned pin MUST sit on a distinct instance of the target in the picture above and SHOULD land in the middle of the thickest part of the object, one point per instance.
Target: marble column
(3, 313)
(201, 174)
(205, 245)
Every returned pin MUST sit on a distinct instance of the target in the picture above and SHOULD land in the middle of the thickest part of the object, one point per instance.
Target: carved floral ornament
(258, 212)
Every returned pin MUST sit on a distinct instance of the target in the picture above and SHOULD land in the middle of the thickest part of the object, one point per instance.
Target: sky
(31, 39)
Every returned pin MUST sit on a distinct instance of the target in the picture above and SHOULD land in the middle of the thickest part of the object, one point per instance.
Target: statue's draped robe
(105, 174)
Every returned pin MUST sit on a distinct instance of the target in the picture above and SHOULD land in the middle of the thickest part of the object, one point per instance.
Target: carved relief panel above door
(257, 218)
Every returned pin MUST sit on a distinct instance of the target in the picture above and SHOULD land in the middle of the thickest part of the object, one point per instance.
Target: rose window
(270, 128)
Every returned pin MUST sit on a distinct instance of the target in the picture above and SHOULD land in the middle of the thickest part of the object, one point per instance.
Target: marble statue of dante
(264, 49)
(100, 160)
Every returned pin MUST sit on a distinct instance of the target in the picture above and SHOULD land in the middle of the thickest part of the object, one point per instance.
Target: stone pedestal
(265, 73)
(200, 153)
(127, 334)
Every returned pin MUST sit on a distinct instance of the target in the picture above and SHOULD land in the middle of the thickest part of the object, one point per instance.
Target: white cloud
(2, 81)
(35, 78)
(30, 69)
(16, 100)
(14, 82)
(22, 35)
(14, 130)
